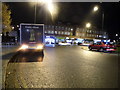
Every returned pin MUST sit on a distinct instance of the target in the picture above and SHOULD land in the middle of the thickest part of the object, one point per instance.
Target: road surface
(63, 67)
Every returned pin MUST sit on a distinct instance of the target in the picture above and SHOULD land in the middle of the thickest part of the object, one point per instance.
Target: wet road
(63, 67)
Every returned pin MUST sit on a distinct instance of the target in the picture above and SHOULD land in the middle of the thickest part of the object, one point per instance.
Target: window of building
(65, 33)
(59, 28)
(66, 28)
(100, 35)
(53, 27)
(49, 32)
(49, 26)
(45, 31)
(68, 33)
(52, 32)
(55, 32)
(77, 34)
(58, 32)
(105, 33)
(69, 29)
(56, 27)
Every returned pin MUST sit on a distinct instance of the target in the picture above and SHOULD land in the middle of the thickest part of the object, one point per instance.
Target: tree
(6, 18)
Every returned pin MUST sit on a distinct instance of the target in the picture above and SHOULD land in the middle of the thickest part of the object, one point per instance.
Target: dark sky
(76, 13)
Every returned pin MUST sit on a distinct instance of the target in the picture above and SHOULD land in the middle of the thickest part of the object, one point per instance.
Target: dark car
(118, 44)
(101, 46)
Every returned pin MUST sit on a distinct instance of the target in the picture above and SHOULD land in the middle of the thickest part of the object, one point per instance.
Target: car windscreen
(109, 43)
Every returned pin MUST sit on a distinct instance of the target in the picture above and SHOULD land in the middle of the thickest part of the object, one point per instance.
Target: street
(63, 67)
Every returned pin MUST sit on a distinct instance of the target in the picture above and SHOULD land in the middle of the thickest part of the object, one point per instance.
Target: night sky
(76, 13)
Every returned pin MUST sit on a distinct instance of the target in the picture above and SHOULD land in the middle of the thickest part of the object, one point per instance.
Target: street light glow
(12, 27)
(95, 8)
(116, 34)
(88, 25)
(1, 34)
(17, 25)
(51, 7)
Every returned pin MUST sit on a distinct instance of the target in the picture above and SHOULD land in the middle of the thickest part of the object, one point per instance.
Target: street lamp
(49, 5)
(17, 25)
(1, 34)
(88, 25)
(95, 8)
(116, 35)
(12, 27)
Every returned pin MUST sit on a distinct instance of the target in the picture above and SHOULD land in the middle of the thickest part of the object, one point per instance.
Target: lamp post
(102, 20)
(35, 8)
(95, 9)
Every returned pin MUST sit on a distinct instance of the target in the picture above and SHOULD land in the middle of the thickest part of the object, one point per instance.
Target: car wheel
(90, 48)
(101, 50)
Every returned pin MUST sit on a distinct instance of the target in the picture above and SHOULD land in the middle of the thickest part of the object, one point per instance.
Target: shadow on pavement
(27, 57)
(7, 56)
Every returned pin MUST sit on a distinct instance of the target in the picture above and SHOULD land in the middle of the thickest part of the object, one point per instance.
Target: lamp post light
(95, 8)
(49, 5)
(17, 25)
(13, 28)
(88, 25)
(116, 35)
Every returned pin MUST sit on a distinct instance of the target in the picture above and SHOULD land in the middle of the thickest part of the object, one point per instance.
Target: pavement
(6, 53)
(63, 67)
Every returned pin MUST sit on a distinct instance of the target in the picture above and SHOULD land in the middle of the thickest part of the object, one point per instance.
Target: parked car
(64, 44)
(101, 46)
(118, 44)
(87, 42)
(79, 43)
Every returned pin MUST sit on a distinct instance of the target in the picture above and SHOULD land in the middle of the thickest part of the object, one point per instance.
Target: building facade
(58, 30)
(93, 33)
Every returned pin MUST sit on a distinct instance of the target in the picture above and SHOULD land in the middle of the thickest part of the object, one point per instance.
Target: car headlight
(24, 47)
(40, 47)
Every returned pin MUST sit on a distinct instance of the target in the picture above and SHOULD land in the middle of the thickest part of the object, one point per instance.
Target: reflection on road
(27, 57)
(62, 67)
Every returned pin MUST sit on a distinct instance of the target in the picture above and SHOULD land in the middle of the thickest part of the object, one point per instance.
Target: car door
(99, 45)
(94, 46)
